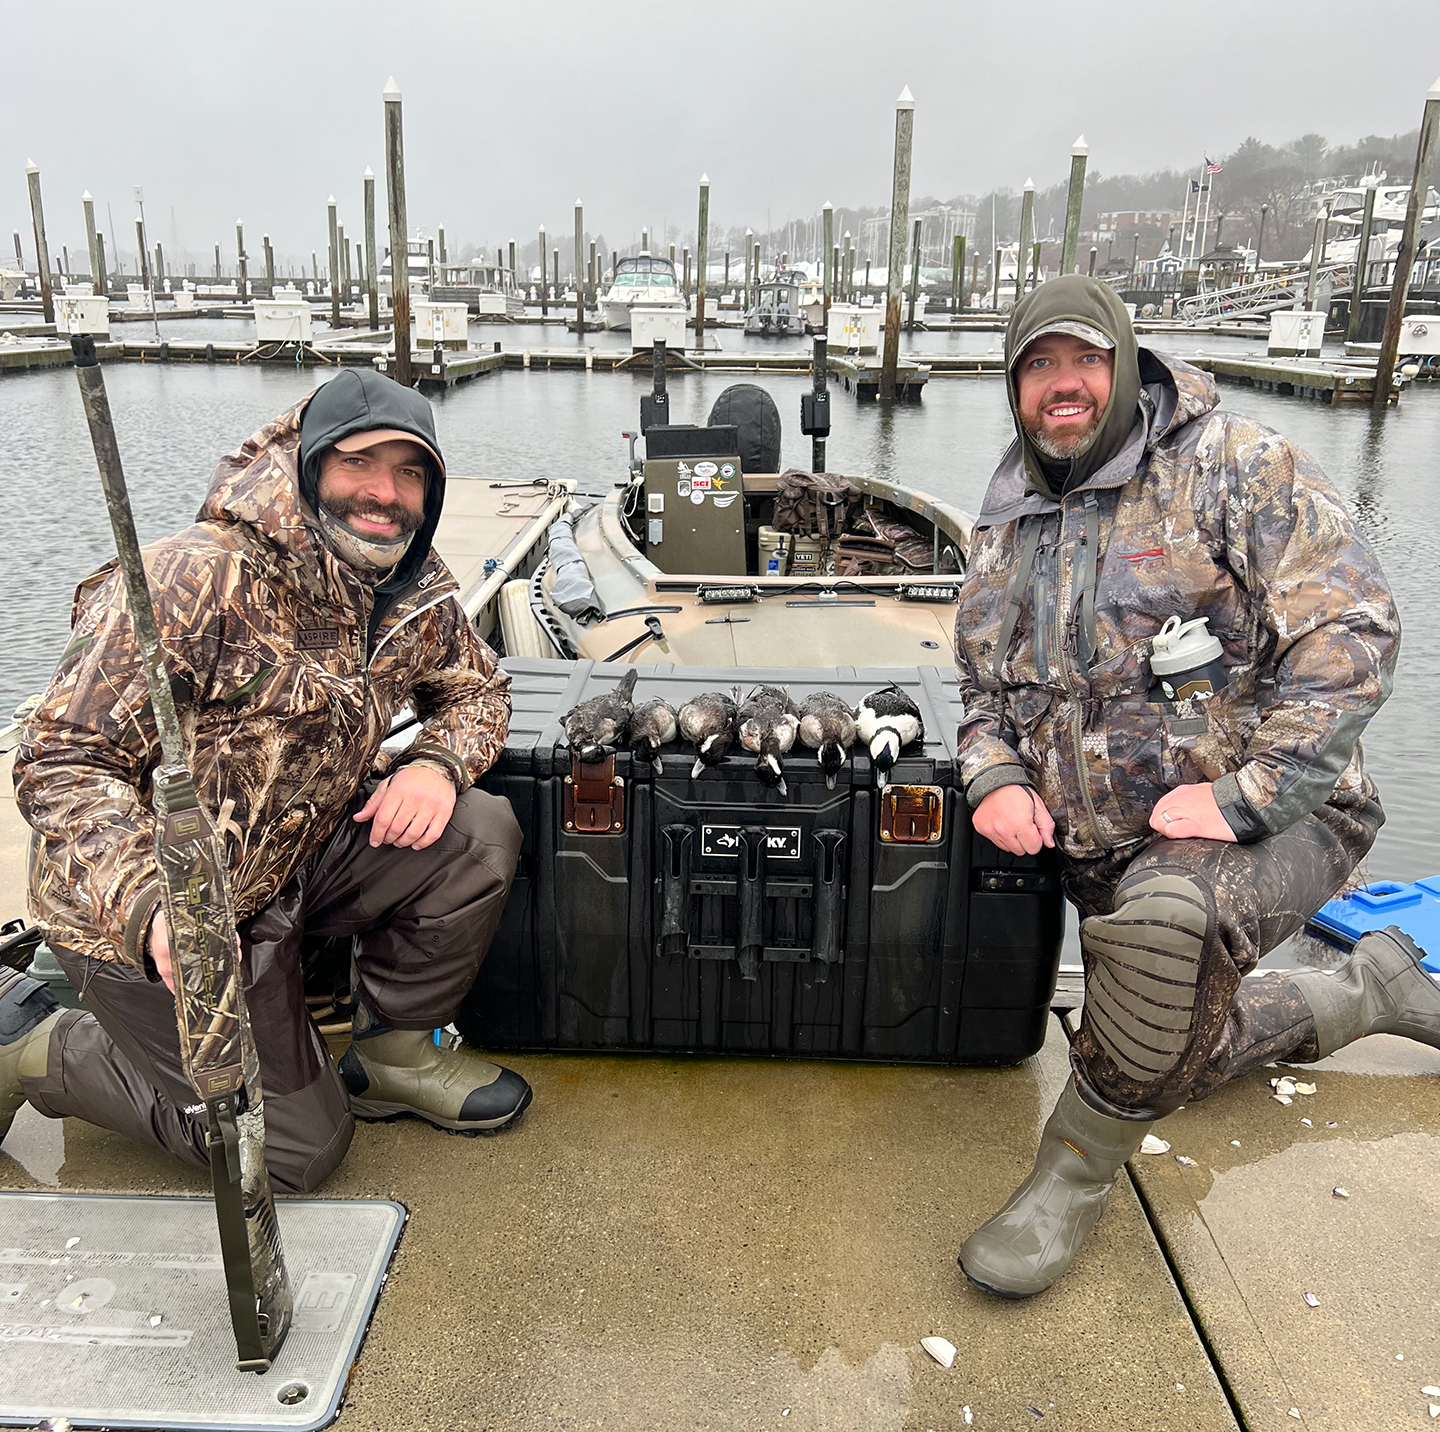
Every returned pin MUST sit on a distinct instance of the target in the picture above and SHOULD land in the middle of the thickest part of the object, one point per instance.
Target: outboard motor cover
(753, 411)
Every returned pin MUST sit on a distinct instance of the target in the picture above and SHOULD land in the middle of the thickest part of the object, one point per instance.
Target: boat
(646, 280)
(486, 289)
(780, 307)
(418, 262)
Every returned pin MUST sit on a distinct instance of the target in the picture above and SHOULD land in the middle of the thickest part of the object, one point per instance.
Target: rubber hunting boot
(1035, 1237)
(393, 1072)
(28, 1015)
(1381, 989)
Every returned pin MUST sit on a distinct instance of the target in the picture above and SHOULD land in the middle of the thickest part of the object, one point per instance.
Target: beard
(407, 519)
(1065, 446)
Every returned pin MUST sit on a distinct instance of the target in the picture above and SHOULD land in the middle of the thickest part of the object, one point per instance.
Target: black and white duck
(769, 720)
(827, 726)
(707, 721)
(596, 727)
(652, 725)
(887, 720)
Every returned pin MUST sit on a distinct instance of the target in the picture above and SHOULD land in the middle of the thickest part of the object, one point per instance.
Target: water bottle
(1186, 661)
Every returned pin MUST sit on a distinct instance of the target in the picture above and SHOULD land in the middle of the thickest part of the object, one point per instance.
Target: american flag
(1211, 167)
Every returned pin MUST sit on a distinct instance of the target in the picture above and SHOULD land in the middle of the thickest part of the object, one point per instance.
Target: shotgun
(217, 1051)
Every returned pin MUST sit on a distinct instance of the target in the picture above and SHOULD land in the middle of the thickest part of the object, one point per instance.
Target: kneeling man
(301, 611)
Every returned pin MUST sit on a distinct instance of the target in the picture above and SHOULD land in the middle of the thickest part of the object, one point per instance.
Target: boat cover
(573, 591)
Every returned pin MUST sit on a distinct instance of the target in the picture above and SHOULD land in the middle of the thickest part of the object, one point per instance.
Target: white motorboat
(418, 264)
(646, 280)
(488, 290)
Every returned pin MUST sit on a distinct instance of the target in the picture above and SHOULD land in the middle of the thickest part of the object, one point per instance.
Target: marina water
(175, 420)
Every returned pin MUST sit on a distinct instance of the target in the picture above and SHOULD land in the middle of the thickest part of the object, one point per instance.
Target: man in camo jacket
(303, 609)
(1196, 829)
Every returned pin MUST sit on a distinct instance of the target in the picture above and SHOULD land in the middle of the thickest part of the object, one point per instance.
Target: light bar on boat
(928, 591)
(715, 596)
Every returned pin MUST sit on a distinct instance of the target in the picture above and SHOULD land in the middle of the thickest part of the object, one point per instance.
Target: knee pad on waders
(1146, 958)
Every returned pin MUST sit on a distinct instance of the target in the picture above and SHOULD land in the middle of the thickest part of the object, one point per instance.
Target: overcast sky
(264, 109)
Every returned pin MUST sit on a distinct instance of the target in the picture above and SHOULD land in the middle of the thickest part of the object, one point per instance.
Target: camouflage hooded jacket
(1200, 513)
(283, 710)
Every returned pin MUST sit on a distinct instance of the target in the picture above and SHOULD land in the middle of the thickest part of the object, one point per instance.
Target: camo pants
(1169, 932)
(422, 921)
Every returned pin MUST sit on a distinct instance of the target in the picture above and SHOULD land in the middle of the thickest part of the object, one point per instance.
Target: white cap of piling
(579, 205)
(828, 205)
(330, 202)
(369, 173)
(906, 100)
(1080, 147)
(1434, 91)
(705, 181)
(31, 167)
(1029, 186)
(392, 90)
(87, 197)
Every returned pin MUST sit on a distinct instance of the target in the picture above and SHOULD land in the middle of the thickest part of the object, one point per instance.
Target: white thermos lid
(1181, 646)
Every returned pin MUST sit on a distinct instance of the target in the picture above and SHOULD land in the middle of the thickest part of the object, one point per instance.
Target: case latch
(594, 798)
(912, 815)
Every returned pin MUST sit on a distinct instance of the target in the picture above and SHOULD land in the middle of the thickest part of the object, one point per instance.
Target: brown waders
(421, 920)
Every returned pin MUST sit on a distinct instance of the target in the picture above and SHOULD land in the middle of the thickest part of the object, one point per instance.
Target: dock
(863, 376)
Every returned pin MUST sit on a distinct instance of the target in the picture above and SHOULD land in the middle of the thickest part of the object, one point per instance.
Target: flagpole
(1185, 220)
(1195, 219)
(1209, 185)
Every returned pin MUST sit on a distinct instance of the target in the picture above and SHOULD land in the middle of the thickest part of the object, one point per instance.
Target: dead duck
(827, 726)
(707, 721)
(768, 722)
(652, 725)
(887, 720)
(596, 727)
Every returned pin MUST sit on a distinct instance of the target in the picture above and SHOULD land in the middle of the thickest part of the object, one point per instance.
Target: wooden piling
(914, 276)
(97, 269)
(555, 271)
(513, 277)
(702, 259)
(1405, 254)
(344, 264)
(749, 247)
(579, 268)
(1362, 262)
(829, 260)
(372, 269)
(1035, 266)
(144, 257)
(975, 274)
(1027, 235)
(1313, 278)
(1091, 270)
(159, 267)
(334, 262)
(592, 274)
(399, 245)
(104, 278)
(1079, 151)
(444, 252)
(217, 263)
(995, 281)
(242, 291)
(899, 222)
(957, 267)
(42, 251)
(685, 275)
(544, 304)
(269, 265)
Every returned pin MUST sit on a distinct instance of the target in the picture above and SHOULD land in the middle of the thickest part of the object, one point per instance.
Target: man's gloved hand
(1190, 813)
(410, 808)
(1014, 818)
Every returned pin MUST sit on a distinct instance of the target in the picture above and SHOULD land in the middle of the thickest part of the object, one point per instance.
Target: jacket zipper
(1077, 720)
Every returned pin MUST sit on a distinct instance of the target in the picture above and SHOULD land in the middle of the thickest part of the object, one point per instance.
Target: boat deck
(749, 1243)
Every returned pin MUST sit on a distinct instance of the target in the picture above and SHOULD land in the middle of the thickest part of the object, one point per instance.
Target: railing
(1278, 290)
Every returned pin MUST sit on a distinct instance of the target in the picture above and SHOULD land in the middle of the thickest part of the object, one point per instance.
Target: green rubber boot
(393, 1072)
(1035, 1237)
(1381, 989)
(28, 1014)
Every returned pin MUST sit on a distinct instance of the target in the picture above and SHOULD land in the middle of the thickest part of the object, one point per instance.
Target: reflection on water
(174, 421)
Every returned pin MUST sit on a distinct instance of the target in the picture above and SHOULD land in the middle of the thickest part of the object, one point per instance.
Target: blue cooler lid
(1413, 906)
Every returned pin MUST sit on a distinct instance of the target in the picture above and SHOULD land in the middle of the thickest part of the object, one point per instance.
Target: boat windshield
(645, 272)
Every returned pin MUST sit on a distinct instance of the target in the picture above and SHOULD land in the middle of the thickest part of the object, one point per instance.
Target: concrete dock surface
(735, 1244)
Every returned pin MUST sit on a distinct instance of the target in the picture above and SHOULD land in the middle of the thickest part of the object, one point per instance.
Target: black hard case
(942, 952)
